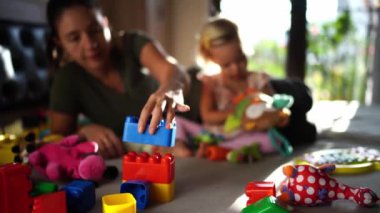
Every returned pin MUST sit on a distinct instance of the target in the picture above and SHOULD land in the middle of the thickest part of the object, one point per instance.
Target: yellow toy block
(119, 203)
(6, 144)
(161, 192)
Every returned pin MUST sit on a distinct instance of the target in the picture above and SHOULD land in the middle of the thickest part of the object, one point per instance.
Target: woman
(101, 77)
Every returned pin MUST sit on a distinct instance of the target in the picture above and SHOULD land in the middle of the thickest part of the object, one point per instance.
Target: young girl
(219, 43)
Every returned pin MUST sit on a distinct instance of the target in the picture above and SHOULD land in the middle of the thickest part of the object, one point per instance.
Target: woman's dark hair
(54, 10)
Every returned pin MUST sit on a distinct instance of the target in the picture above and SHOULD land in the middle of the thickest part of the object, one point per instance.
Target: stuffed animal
(69, 159)
(309, 186)
(256, 111)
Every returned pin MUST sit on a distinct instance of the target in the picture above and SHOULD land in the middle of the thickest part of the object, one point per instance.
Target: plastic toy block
(52, 202)
(139, 190)
(119, 203)
(258, 190)
(6, 144)
(15, 187)
(216, 153)
(266, 205)
(43, 188)
(162, 136)
(161, 192)
(245, 154)
(80, 195)
(153, 168)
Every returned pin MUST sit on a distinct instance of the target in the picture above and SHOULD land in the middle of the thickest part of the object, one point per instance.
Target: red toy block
(259, 189)
(14, 188)
(154, 168)
(217, 153)
(52, 202)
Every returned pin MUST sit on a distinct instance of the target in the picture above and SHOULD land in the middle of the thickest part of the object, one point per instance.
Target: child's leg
(185, 129)
(249, 138)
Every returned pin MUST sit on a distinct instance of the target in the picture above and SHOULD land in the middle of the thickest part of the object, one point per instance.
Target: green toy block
(266, 205)
(248, 153)
(43, 188)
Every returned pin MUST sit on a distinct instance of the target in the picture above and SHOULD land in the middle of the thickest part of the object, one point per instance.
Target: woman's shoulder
(132, 40)
(134, 36)
(69, 72)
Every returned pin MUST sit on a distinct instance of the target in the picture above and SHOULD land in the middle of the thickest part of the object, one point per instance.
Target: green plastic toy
(266, 205)
(245, 154)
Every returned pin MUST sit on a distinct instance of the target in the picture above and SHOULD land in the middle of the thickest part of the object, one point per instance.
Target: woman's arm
(65, 124)
(172, 80)
(208, 110)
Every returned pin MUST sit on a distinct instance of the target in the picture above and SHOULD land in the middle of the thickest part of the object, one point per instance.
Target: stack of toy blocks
(148, 177)
(14, 189)
(154, 169)
(19, 194)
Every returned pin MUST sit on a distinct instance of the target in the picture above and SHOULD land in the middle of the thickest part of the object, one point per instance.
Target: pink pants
(187, 129)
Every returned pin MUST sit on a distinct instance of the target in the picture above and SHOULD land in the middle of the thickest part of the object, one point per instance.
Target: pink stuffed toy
(69, 159)
(309, 186)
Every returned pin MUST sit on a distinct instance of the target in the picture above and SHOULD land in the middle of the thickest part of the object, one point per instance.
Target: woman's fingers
(155, 101)
(169, 113)
(117, 145)
(103, 148)
(154, 108)
(182, 107)
(156, 118)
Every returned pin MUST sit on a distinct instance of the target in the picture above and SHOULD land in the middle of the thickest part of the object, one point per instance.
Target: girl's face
(231, 59)
(81, 35)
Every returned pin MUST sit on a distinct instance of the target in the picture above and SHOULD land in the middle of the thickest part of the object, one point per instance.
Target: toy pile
(305, 185)
(145, 178)
(254, 111)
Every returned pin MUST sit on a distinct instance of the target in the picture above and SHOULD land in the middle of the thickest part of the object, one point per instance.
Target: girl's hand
(159, 102)
(110, 146)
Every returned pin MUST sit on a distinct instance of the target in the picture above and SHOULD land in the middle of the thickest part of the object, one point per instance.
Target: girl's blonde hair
(216, 32)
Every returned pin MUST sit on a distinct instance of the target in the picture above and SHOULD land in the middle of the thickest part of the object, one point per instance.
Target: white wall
(186, 18)
(172, 22)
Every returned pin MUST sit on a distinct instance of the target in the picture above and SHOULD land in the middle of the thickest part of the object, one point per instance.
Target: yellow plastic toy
(7, 141)
(161, 192)
(119, 203)
(347, 161)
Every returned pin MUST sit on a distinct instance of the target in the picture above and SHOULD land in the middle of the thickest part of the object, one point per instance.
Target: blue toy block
(162, 137)
(80, 196)
(139, 190)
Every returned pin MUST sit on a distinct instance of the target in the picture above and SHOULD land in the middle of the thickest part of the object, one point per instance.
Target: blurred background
(330, 44)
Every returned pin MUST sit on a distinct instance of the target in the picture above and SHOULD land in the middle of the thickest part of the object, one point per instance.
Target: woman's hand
(159, 102)
(110, 146)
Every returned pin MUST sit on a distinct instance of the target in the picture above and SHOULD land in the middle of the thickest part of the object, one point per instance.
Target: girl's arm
(208, 110)
(172, 80)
